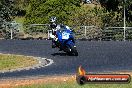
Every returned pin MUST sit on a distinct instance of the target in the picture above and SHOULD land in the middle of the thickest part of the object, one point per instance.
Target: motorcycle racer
(56, 27)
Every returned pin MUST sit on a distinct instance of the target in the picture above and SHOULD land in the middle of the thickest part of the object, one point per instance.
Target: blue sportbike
(66, 41)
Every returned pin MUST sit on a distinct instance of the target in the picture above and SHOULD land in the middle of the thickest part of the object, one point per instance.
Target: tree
(40, 12)
(114, 6)
(6, 15)
(129, 12)
(110, 4)
(87, 17)
(7, 11)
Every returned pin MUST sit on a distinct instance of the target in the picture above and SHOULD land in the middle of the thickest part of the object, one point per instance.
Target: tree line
(39, 11)
(70, 12)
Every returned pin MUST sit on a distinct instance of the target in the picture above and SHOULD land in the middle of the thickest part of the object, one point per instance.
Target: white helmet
(53, 19)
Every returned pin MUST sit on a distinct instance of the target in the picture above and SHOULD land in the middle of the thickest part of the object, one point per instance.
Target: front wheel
(73, 51)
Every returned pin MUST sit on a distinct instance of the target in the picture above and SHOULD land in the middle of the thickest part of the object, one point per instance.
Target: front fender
(70, 43)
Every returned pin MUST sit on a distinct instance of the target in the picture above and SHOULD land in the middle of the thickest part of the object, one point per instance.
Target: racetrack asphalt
(94, 56)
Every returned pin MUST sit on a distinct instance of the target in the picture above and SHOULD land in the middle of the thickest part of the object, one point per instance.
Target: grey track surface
(95, 56)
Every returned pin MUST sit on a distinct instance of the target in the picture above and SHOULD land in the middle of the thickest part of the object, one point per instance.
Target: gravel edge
(43, 62)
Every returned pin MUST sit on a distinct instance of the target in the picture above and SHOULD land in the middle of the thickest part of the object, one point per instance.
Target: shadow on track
(59, 54)
(62, 54)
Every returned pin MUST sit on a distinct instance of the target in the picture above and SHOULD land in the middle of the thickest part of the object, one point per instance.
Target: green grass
(19, 19)
(8, 62)
(75, 85)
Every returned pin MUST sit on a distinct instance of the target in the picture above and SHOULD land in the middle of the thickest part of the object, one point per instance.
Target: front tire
(73, 51)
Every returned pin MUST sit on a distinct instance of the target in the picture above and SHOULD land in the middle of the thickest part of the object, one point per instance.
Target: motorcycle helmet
(53, 19)
(53, 22)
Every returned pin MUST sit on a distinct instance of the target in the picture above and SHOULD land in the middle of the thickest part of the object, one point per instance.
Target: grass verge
(63, 81)
(73, 84)
(8, 62)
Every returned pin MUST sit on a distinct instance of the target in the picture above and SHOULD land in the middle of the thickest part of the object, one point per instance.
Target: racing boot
(53, 44)
(61, 48)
